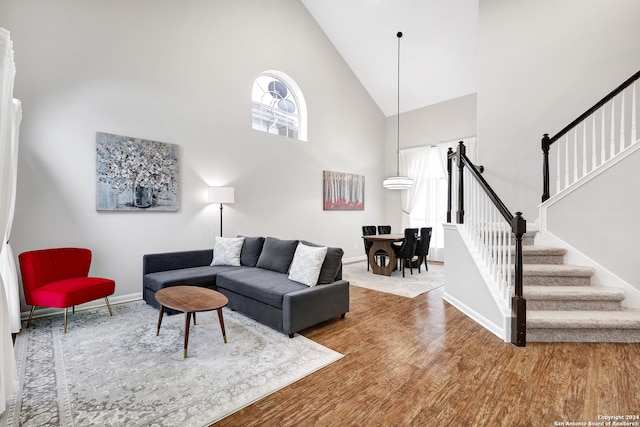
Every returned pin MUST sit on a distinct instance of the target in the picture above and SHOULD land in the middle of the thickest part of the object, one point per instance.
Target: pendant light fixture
(398, 182)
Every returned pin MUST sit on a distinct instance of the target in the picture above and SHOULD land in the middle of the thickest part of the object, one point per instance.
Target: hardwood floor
(421, 362)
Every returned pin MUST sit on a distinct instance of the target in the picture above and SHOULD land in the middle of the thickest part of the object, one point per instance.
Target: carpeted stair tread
(542, 250)
(543, 255)
(621, 319)
(578, 293)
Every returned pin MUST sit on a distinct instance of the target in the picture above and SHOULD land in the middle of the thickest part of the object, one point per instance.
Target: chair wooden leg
(108, 306)
(33, 308)
(65, 320)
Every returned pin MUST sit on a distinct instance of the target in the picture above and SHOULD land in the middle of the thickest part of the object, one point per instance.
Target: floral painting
(136, 174)
(343, 191)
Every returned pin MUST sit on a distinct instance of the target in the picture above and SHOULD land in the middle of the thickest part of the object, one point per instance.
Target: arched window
(278, 106)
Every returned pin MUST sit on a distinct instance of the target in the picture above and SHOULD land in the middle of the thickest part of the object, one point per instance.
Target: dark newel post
(460, 214)
(518, 303)
(450, 183)
(545, 166)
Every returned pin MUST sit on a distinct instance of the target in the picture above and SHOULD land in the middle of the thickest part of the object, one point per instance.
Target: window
(426, 202)
(278, 106)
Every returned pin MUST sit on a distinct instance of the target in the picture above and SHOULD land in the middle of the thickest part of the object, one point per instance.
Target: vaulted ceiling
(437, 50)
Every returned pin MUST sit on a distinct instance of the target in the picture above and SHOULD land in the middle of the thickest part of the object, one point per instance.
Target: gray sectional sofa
(258, 282)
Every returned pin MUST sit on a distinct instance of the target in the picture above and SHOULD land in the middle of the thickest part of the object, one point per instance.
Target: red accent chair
(59, 278)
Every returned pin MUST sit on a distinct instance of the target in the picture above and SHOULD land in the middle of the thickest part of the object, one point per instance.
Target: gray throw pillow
(330, 266)
(277, 254)
(251, 249)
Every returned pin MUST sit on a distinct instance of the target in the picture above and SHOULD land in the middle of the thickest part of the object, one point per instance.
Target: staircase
(563, 305)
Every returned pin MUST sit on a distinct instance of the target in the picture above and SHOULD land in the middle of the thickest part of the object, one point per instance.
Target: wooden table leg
(160, 319)
(187, 323)
(388, 249)
(224, 334)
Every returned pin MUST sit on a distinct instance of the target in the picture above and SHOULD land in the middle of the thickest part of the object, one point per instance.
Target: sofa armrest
(153, 263)
(310, 306)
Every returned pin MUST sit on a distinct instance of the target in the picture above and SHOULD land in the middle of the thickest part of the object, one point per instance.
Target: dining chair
(407, 250)
(384, 229)
(59, 278)
(368, 230)
(422, 249)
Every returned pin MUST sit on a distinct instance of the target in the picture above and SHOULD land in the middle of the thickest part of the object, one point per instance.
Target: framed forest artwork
(135, 174)
(342, 191)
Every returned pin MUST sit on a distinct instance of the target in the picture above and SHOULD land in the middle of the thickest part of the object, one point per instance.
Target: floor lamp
(221, 195)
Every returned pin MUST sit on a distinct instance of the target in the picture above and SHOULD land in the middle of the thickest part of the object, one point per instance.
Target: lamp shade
(397, 183)
(221, 195)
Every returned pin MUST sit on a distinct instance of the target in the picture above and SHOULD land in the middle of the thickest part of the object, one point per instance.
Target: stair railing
(490, 227)
(597, 136)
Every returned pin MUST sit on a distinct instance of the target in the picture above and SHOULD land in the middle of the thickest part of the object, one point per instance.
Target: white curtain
(9, 113)
(8, 268)
(425, 203)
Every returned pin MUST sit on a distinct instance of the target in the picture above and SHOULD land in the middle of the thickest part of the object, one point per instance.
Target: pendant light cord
(399, 35)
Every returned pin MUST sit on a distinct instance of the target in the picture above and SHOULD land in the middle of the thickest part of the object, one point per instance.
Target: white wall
(577, 219)
(541, 64)
(181, 72)
(467, 285)
(445, 121)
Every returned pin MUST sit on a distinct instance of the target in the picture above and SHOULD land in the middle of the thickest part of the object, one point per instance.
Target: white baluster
(485, 210)
(612, 148)
(501, 250)
(622, 124)
(584, 148)
(506, 231)
(575, 155)
(494, 243)
(558, 162)
(490, 240)
(593, 143)
(509, 263)
(476, 217)
(603, 154)
(634, 137)
(502, 256)
(566, 162)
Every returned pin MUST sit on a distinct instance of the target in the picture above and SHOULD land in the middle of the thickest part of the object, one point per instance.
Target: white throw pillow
(226, 251)
(306, 264)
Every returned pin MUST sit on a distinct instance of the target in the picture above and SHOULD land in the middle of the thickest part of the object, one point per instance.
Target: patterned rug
(114, 371)
(409, 286)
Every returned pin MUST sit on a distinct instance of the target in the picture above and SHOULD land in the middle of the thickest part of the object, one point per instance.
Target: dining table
(383, 243)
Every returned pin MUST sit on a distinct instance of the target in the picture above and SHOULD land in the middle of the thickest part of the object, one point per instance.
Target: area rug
(114, 371)
(409, 286)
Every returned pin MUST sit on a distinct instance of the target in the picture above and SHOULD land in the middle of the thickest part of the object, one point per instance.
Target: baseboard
(113, 300)
(503, 332)
(353, 260)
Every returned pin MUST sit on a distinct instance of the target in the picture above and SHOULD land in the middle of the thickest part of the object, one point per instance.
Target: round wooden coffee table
(190, 300)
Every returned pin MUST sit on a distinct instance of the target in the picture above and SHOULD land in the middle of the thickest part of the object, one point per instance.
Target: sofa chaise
(288, 285)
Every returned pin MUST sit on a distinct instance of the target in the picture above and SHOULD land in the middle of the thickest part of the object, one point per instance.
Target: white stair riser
(564, 305)
(543, 259)
(582, 335)
(556, 280)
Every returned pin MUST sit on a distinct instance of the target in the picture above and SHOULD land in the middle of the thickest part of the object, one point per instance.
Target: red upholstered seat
(59, 278)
